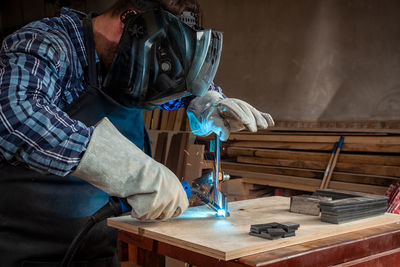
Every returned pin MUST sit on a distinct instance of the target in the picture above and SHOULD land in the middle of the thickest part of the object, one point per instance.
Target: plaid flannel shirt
(43, 68)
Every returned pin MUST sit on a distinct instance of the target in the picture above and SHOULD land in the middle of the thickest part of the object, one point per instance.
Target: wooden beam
(283, 138)
(392, 126)
(393, 140)
(306, 184)
(295, 163)
(194, 159)
(314, 156)
(364, 179)
(155, 121)
(229, 166)
(176, 159)
(388, 171)
(365, 188)
(380, 148)
(278, 154)
(283, 145)
(283, 181)
(308, 173)
(180, 113)
(164, 119)
(147, 114)
(273, 131)
(160, 154)
(171, 119)
(393, 171)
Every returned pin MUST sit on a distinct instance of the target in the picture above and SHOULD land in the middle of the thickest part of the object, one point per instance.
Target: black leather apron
(41, 214)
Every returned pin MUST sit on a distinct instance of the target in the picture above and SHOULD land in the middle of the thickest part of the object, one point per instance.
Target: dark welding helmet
(160, 58)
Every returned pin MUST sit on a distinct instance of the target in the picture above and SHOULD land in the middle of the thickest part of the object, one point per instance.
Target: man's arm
(185, 101)
(33, 129)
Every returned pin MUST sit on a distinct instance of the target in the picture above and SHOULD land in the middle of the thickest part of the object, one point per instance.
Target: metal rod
(216, 150)
(217, 194)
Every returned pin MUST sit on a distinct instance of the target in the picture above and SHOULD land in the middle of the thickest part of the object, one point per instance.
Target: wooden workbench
(197, 237)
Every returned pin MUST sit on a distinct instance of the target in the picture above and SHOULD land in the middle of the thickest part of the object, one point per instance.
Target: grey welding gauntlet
(119, 168)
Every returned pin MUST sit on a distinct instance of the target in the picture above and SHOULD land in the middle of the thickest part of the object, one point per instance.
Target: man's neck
(107, 31)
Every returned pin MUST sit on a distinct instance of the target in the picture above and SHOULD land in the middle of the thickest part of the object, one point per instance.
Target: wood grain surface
(200, 231)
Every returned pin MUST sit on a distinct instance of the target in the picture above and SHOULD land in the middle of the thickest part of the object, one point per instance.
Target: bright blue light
(221, 213)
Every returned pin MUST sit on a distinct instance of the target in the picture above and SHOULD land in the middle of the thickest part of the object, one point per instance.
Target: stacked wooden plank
(368, 162)
(166, 120)
(236, 189)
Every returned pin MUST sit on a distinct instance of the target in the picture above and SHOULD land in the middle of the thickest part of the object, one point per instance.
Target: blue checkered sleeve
(184, 102)
(33, 129)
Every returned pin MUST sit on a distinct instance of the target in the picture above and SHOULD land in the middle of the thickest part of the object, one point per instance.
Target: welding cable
(114, 207)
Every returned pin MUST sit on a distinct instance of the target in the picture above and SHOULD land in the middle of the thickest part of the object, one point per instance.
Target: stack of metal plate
(347, 206)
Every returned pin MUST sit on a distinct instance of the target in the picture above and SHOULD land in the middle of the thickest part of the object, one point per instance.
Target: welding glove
(214, 113)
(118, 167)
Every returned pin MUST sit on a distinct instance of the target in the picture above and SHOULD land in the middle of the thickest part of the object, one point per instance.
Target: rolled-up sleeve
(33, 128)
(184, 101)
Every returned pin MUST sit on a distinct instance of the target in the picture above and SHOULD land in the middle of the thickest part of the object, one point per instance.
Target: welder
(72, 92)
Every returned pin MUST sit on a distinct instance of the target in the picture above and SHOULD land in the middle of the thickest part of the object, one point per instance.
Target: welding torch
(117, 206)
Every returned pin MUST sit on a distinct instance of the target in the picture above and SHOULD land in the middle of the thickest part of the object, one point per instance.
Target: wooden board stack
(166, 120)
(236, 189)
(199, 230)
(368, 162)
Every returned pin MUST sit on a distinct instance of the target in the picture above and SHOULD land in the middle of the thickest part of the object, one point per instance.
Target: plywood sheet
(227, 238)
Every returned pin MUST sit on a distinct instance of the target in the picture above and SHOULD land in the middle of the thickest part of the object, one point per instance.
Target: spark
(221, 213)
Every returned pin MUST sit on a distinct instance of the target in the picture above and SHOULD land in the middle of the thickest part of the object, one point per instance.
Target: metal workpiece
(217, 193)
(207, 187)
(219, 197)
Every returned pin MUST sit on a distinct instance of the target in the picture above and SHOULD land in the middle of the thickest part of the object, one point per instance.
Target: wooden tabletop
(377, 246)
(199, 231)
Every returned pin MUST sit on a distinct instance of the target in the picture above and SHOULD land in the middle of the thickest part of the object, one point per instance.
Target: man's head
(176, 7)
(108, 27)
(156, 52)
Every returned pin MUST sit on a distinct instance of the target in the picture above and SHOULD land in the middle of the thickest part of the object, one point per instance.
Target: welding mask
(160, 58)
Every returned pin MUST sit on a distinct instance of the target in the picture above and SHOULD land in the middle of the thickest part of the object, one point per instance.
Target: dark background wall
(297, 59)
(14, 14)
(311, 59)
